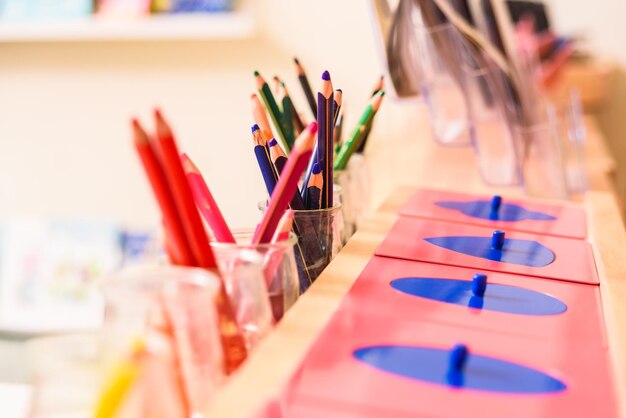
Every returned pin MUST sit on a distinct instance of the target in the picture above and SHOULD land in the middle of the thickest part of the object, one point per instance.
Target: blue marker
(497, 240)
(479, 285)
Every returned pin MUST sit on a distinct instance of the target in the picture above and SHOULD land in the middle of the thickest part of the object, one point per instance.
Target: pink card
(398, 367)
(508, 215)
(474, 247)
(511, 304)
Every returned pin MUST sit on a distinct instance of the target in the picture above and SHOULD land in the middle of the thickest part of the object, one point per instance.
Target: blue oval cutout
(479, 373)
(498, 297)
(514, 251)
(508, 212)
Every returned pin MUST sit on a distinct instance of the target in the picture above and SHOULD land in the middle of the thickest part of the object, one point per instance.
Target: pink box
(568, 221)
(332, 375)
(573, 259)
(582, 319)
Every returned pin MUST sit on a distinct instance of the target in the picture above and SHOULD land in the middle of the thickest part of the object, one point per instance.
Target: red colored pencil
(177, 246)
(205, 202)
(287, 184)
(232, 341)
(192, 224)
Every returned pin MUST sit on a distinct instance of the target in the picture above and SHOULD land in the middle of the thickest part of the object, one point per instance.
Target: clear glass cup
(439, 58)
(344, 194)
(177, 305)
(67, 374)
(361, 179)
(320, 238)
(279, 272)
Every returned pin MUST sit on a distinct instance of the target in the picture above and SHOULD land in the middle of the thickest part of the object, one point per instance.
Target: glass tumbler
(179, 306)
(280, 274)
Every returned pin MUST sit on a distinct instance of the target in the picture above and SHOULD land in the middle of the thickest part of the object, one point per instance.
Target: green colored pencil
(354, 140)
(270, 103)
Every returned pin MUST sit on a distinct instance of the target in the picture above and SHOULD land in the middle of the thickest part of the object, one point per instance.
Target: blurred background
(67, 95)
(71, 81)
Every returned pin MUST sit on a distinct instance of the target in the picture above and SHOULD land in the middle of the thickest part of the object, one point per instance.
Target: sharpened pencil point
(273, 142)
(313, 127)
(296, 60)
(256, 73)
(316, 169)
(326, 75)
(255, 128)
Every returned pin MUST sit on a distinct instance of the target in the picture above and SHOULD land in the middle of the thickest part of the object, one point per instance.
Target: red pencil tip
(253, 96)
(313, 127)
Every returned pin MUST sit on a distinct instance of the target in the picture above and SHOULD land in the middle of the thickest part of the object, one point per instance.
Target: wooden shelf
(230, 25)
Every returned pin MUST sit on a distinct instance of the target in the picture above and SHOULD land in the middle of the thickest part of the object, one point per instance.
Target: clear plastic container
(439, 59)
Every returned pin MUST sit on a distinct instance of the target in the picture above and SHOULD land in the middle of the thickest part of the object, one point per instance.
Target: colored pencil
(232, 340)
(354, 140)
(177, 245)
(261, 152)
(283, 231)
(380, 84)
(338, 133)
(306, 87)
(192, 225)
(287, 113)
(325, 143)
(275, 114)
(276, 84)
(298, 124)
(260, 117)
(280, 160)
(314, 188)
(287, 184)
(205, 202)
(338, 99)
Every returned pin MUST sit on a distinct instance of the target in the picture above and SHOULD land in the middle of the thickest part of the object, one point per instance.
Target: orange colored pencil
(287, 184)
(176, 242)
(260, 117)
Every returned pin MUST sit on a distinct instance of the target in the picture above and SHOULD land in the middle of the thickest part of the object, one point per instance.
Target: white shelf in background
(198, 26)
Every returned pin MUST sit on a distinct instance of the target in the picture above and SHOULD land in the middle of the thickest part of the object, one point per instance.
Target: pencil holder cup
(439, 58)
(553, 153)
(319, 235)
(280, 272)
(343, 194)
(497, 145)
(242, 272)
(177, 307)
(361, 179)
(66, 373)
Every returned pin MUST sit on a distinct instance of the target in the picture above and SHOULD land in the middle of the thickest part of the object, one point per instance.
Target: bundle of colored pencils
(330, 154)
(187, 243)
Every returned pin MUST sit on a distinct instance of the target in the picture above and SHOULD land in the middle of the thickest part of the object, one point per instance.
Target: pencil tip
(296, 60)
(339, 90)
(255, 128)
(316, 168)
(326, 75)
(253, 96)
(256, 73)
(273, 142)
(313, 127)
(276, 78)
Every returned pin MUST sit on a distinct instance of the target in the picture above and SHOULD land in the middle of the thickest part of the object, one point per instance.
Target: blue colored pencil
(263, 159)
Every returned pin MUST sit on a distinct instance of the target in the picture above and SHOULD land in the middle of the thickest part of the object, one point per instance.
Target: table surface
(394, 177)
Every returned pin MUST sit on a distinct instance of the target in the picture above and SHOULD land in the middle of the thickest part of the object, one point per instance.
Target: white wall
(65, 147)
